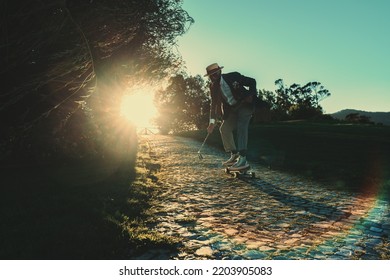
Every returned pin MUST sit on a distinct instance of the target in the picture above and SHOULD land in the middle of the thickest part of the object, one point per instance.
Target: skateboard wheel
(236, 174)
(253, 175)
(227, 170)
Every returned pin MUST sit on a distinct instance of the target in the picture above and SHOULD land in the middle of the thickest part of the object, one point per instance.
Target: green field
(347, 157)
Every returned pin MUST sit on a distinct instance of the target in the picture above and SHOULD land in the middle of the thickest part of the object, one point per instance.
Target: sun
(138, 107)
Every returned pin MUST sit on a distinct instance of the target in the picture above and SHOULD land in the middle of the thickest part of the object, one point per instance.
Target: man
(232, 98)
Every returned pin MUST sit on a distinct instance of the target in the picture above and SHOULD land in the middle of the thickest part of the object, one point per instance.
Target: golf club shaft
(204, 141)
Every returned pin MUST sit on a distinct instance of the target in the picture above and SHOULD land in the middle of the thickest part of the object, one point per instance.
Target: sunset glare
(139, 108)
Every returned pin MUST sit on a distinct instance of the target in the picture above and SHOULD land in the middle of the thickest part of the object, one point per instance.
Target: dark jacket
(237, 83)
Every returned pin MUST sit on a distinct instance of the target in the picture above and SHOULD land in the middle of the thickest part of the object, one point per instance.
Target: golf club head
(200, 155)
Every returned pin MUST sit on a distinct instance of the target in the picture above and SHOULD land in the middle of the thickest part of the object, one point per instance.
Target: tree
(317, 93)
(357, 118)
(283, 100)
(265, 103)
(73, 59)
(297, 102)
(183, 104)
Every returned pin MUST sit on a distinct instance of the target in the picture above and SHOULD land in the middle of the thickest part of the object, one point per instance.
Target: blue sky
(344, 44)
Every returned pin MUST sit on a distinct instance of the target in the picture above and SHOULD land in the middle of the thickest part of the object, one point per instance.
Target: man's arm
(213, 104)
(250, 83)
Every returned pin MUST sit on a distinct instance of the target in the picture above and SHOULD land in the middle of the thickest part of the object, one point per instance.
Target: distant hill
(376, 117)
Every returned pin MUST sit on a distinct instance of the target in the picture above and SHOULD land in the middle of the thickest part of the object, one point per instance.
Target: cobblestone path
(274, 216)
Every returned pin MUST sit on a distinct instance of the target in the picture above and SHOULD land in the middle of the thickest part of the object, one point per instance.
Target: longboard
(240, 173)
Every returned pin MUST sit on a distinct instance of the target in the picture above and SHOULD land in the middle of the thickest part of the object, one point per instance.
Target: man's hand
(210, 128)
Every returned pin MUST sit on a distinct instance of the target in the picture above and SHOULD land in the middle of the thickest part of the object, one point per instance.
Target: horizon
(351, 109)
(340, 44)
(360, 110)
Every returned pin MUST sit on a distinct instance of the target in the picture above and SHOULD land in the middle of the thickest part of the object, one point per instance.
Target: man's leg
(226, 130)
(244, 115)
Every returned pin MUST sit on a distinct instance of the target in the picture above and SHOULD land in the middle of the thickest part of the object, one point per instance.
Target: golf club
(204, 141)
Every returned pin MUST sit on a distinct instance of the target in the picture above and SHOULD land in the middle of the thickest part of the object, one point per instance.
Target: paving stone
(323, 225)
(240, 239)
(266, 248)
(231, 231)
(376, 229)
(282, 246)
(291, 241)
(254, 255)
(221, 245)
(281, 258)
(345, 253)
(283, 225)
(275, 216)
(204, 252)
(327, 250)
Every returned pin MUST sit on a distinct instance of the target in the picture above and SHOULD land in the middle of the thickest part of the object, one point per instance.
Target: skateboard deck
(239, 173)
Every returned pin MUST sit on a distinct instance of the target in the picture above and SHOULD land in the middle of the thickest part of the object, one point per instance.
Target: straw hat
(212, 68)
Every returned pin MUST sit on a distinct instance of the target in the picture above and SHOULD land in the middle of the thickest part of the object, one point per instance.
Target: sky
(343, 44)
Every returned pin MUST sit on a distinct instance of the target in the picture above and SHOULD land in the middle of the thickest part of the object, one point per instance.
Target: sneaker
(232, 160)
(240, 164)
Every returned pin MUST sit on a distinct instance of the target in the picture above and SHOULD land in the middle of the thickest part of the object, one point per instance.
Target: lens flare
(138, 107)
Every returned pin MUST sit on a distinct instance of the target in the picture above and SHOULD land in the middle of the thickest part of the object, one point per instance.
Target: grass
(79, 210)
(352, 158)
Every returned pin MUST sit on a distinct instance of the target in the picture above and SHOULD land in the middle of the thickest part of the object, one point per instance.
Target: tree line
(185, 103)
